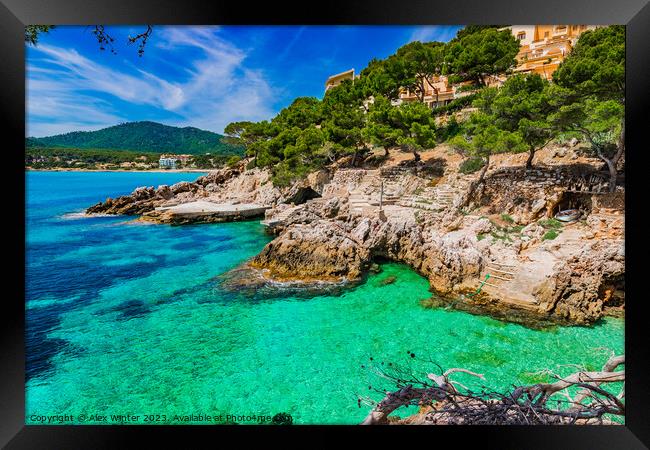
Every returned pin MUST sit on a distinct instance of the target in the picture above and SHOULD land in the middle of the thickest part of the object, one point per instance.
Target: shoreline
(573, 276)
(122, 170)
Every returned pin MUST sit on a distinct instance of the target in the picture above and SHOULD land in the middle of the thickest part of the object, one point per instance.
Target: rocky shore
(496, 249)
(246, 191)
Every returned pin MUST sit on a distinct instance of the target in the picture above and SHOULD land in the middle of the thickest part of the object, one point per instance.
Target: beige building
(544, 47)
(438, 93)
(441, 92)
(337, 79)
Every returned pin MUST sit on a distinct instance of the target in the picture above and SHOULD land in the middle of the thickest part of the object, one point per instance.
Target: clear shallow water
(130, 319)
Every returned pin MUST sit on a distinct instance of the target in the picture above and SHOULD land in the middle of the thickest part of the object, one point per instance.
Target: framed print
(375, 216)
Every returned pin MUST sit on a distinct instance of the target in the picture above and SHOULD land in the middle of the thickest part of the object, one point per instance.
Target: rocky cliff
(333, 225)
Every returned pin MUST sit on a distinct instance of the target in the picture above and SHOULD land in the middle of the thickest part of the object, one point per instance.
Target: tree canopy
(596, 66)
(521, 105)
(522, 115)
(589, 94)
(417, 65)
(482, 53)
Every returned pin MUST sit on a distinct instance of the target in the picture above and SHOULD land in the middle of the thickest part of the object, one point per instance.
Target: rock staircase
(500, 273)
(278, 218)
(435, 198)
(510, 281)
(367, 194)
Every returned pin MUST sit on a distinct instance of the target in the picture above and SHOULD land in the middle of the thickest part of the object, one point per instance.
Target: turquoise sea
(125, 318)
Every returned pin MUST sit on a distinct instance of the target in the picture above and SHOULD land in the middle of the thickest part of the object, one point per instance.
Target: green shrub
(550, 235)
(507, 218)
(551, 224)
(450, 129)
(233, 160)
(455, 105)
(471, 165)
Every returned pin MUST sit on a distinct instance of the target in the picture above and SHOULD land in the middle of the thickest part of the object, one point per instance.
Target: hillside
(142, 136)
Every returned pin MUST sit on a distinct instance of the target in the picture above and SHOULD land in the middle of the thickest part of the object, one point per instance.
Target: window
(575, 27)
(546, 34)
(521, 35)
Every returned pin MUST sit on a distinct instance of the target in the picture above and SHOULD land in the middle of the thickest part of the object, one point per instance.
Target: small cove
(131, 319)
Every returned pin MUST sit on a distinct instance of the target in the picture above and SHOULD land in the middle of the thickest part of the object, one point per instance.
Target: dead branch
(442, 403)
(142, 39)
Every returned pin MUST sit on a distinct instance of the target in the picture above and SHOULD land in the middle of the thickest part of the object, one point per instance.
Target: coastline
(571, 277)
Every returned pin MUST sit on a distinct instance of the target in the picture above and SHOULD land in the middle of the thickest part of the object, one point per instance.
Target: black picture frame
(14, 14)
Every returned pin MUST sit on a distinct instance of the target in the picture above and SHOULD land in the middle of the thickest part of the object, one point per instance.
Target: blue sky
(203, 76)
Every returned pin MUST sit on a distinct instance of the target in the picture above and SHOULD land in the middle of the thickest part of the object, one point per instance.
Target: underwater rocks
(254, 284)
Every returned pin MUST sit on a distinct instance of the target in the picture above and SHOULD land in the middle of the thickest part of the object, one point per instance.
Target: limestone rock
(320, 252)
(575, 291)
(537, 206)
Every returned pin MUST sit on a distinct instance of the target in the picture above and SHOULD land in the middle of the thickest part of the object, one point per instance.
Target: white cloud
(217, 87)
(220, 89)
(85, 74)
(53, 108)
(432, 33)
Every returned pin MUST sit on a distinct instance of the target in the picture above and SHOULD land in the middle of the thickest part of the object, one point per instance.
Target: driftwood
(442, 402)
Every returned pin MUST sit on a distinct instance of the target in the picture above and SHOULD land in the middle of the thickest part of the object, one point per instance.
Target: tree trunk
(354, 159)
(620, 146)
(612, 174)
(531, 155)
(416, 155)
(386, 152)
(484, 169)
(475, 184)
(611, 166)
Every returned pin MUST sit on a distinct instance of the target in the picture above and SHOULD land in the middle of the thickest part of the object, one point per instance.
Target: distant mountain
(143, 137)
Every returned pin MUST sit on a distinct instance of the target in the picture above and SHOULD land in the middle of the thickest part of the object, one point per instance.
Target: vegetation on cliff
(311, 133)
(143, 137)
(585, 99)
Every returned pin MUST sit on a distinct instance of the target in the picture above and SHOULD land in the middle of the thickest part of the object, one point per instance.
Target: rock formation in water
(569, 274)
(225, 186)
(500, 253)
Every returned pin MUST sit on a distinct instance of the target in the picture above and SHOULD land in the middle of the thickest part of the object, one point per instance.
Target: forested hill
(144, 137)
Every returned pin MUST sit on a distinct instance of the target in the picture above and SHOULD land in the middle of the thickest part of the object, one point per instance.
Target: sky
(200, 76)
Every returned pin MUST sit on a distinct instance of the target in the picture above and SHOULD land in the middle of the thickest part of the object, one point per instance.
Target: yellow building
(441, 92)
(438, 93)
(544, 47)
(337, 79)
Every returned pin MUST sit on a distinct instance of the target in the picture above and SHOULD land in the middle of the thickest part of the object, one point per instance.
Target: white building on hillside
(169, 163)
